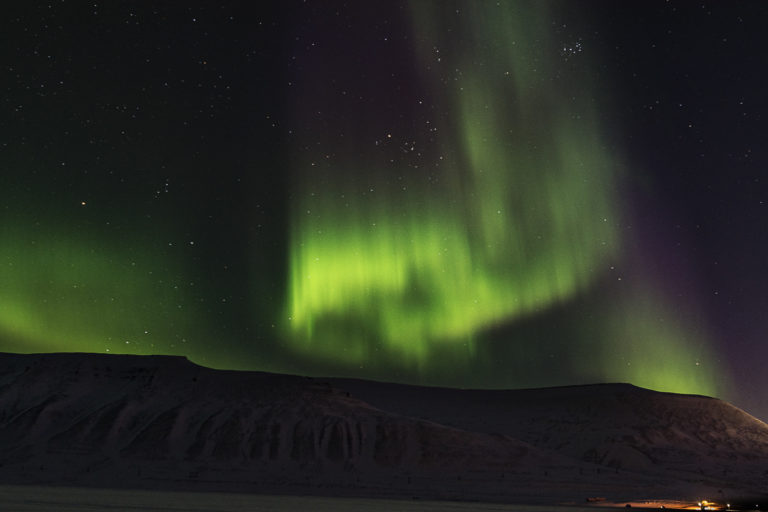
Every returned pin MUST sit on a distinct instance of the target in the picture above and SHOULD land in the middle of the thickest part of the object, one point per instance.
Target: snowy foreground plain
(73, 499)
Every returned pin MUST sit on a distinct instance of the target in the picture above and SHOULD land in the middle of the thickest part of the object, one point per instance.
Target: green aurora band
(67, 292)
(510, 225)
(522, 218)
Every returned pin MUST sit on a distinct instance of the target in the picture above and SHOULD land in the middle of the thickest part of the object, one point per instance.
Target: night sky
(472, 194)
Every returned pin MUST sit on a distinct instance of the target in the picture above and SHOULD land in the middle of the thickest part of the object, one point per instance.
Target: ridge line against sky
(467, 194)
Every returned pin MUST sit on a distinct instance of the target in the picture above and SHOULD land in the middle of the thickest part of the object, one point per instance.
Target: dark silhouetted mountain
(164, 422)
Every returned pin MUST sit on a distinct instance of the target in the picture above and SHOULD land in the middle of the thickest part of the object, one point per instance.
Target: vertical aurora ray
(517, 214)
(424, 191)
(647, 341)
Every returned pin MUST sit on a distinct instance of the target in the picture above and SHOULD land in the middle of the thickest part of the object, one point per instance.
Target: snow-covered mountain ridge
(164, 422)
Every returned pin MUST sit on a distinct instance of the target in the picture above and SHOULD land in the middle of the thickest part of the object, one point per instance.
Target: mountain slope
(163, 422)
(618, 425)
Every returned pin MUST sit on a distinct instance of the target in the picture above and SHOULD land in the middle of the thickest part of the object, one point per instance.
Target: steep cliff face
(170, 409)
(153, 421)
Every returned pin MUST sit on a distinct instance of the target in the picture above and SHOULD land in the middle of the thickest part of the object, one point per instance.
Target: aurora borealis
(54, 282)
(515, 214)
(473, 194)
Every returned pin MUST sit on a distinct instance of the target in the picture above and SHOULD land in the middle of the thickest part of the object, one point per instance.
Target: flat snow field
(73, 499)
